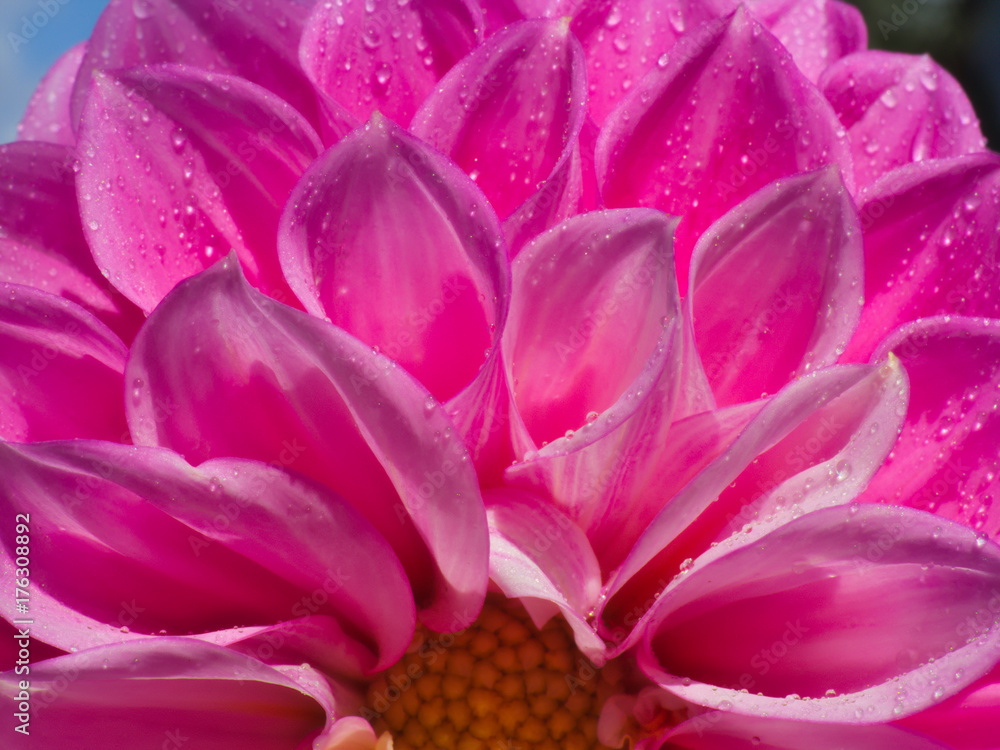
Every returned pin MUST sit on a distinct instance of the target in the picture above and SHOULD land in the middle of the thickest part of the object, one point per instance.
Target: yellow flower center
(500, 684)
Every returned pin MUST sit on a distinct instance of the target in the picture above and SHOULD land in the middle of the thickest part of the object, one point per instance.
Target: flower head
(511, 375)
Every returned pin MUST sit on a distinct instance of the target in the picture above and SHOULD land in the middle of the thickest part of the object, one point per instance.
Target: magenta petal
(166, 692)
(816, 32)
(161, 547)
(256, 41)
(47, 117)
(719, 730)
(393, 243)
(217, 158)
(41, 238)
(966, 721)
(593, 356)
(899, 109)
(931, 245)
(539, 556)
(775, 287)
(815, 444)
(511, 111)
(855, 614)
(946, 458)
(385, 55)
(244, 375)
(624, 39)
(60, 370)
(731, 82)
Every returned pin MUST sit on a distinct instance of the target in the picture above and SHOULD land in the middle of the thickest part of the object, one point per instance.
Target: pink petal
(899, 109)
(248, 376)
(815, 444)
(855, 614)
(150, 545)
(775, 286)
(165, 692)
(47, 117)
(258, 42)
(510, 113)
(718, 730)
(60, 370)
(931, 245)
(966, 721)
(217, 158)
(539, 556)
(946, 458)
(731, 82)
(593, 356)
(390, 241)
(816, 32)
(41, 238)
(624, 39)
(386, 56)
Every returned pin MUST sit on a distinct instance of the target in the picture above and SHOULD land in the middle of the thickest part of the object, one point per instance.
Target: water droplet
(178, 139)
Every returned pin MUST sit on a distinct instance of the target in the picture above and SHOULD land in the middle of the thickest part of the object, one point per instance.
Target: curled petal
(899, 109)
(816, 32)
(728, 82)
(624, 39)
(931, 245)
(390, 241)
(47, 117)
(967, 720)
(862, 614)
(258, 42)
(234, 544)
(719, 730)
(218, 157)
(815, 444)
(775, 287)
(539, 556)
(60, 370)
(946, 458)
(247, 376)
(593, 358)
(510, 113)
(385, 55)
(166, 692)
(41, 238)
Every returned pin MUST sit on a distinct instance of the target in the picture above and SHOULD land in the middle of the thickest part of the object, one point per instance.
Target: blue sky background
(66, 23)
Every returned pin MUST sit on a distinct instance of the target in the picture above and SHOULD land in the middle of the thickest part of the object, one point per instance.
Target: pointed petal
(60, 370)
(855, 614)
(624, 39)
(593, 354)
(946, 458)
(247, 376)
(41, 238)
(537, 552)
(775, 286)
(719, 730)
(816, 32)
(231, 543)
(899, 109)
(258, 42)
(511, 111)
(730, 82)
(390, 241)
(385, 55)
(931, 245)
(966, 721)
(165, 691)
(218, 157)
(815, 444)
(47, 117)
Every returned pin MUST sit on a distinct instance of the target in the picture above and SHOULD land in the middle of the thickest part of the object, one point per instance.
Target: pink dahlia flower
(426, 374)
